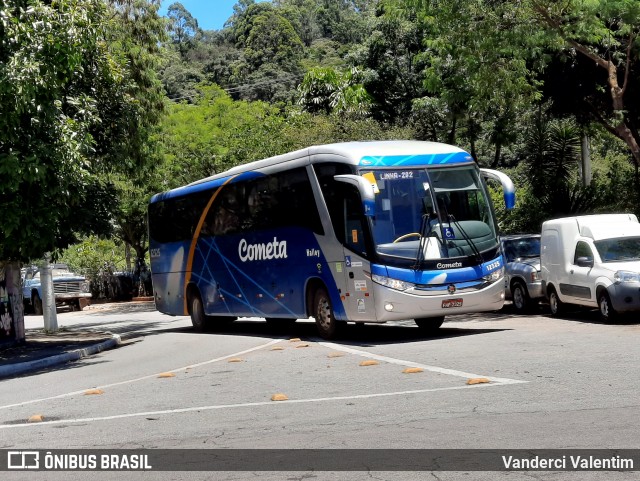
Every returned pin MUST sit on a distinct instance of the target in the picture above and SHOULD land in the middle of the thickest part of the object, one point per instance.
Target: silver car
(522, 280)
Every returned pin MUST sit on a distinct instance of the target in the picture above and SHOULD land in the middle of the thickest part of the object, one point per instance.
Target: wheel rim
(196, 312)
(604, 307)
(324, 313)
(553, 303)
(518, 297)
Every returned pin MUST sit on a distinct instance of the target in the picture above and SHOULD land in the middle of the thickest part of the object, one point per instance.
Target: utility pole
(48, 298)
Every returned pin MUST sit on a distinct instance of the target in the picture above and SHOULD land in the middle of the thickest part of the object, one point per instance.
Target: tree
(54, 68)
(393, 67)
(476, 58)
(183, 28)
(329, 90)
(79, 96)
(606, 33)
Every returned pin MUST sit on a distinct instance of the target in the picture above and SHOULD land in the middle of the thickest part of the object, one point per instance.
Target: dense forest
(546, 91)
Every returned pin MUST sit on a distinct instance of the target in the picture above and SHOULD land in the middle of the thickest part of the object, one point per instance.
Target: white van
(592, 261)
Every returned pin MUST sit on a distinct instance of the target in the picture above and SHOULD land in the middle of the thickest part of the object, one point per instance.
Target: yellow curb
(235, 359)
(277, 348)
(478, 380)
(167, 374)
(335, 354)
(302, 345)
(294, 339)
(369, 363)
(93, 391)
(36, 418)
(279, 397)
(411, 370)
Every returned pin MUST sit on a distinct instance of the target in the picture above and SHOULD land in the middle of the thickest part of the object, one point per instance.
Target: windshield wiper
(425, 230)
(474, 248)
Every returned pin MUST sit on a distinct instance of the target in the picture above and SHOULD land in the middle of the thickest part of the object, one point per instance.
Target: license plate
(451, 303)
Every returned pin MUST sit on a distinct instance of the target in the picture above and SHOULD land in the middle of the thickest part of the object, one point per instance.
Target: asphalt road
(568, 383)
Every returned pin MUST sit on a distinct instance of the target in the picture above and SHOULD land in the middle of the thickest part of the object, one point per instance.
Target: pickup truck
(69, 289)
(522, 277)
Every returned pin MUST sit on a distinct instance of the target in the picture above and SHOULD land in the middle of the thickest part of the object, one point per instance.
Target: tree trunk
(585, 165)
(11, 304)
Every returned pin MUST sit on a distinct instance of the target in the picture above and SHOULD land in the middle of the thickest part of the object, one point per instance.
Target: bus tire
(429, 324)
(196, 311)
(326, 322)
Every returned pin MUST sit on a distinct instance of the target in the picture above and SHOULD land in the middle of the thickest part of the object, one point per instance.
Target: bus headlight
(392, 283)
(626, 276)
(495, 275)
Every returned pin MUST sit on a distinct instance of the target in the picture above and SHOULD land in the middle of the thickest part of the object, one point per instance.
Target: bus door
(355, 238)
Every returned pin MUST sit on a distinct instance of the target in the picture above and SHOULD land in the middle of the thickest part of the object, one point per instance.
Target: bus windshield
(431, 213)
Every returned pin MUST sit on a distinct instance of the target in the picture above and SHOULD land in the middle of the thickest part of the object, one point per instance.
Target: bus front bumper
(393, 305)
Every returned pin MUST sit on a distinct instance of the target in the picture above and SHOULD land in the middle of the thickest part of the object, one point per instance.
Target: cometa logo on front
(259, 252)
(453, 265)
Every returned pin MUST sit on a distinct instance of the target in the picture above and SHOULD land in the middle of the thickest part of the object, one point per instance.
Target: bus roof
(379, 153)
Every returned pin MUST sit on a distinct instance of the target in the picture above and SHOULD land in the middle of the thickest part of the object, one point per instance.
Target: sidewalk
(43, 350)
(69, 343)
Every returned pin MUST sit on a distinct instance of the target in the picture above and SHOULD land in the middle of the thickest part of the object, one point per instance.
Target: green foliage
(93, 256)
(605, 34)
(329, 90)
(195, 137)
(183, 28)
(53, 68)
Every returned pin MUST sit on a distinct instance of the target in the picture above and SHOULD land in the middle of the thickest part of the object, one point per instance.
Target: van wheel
(607, 312)
(326, 322)
(521, 299)
(429, 324)
(37, 304)
(555, 304)
(196, 311)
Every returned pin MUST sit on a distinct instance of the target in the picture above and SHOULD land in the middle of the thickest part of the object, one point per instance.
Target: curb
(21, 368)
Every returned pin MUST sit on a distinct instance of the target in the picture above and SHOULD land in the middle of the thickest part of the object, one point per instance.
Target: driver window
(582, 250)
(354, 222)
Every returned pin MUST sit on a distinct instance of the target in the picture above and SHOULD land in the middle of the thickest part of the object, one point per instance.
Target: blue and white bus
(360, 231)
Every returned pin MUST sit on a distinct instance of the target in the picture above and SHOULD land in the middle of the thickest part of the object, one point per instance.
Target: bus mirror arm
(364, 188)
(508, 189)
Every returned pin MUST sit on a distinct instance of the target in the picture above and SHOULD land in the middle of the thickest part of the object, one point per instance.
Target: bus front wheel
(326, 322)
(196, 311)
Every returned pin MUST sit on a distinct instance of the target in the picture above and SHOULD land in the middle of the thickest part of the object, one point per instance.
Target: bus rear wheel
(429, 324)
(326, 322)
(196, 311)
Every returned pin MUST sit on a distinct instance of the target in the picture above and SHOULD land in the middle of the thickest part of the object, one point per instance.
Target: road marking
(248, 405)
(441, 370)
(150, 376)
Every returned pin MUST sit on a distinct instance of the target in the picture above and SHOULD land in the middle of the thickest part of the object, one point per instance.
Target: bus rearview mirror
(508, 189)
(365, 188)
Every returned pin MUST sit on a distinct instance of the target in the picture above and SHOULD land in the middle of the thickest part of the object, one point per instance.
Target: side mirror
(364, 188)
(508, 189)
(584, 261)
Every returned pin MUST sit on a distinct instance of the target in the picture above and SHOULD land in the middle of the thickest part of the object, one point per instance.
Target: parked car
(592, 261)
(69, 289)
(522, 278)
